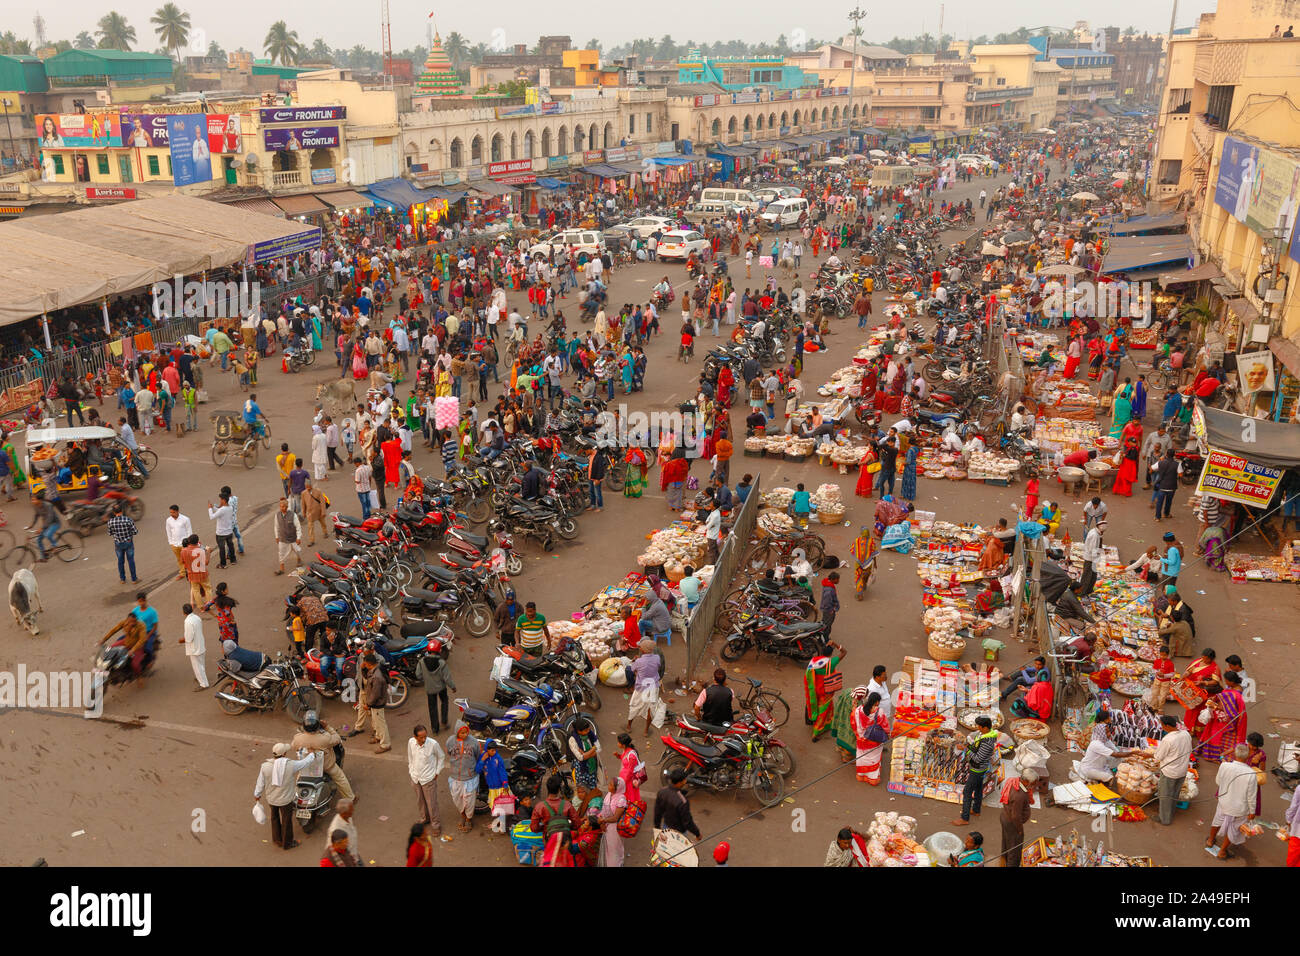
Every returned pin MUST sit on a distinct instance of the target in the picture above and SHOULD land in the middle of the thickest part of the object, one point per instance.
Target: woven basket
(940, 653)
(1137, 797)
(826, 516)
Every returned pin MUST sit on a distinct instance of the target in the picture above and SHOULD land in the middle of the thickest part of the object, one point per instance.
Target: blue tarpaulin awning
(1142, 252)
(1148, 223)
(548, 182)
(671, 161)
(399, 194)
(604, 171)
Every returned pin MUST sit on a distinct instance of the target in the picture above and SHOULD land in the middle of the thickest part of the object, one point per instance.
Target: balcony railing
(286, 178)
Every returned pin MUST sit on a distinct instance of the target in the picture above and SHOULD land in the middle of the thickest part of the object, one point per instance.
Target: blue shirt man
(1172, 405)
(252, 412)
(363, 305)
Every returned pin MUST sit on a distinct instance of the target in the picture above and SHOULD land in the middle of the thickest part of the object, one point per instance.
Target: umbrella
(786, 162)
(855, 156)
(878, 153)
(1061, 270)
(1086, 197)
(1045, 129)
(1016, 237)
(835, 161)
(988, 249)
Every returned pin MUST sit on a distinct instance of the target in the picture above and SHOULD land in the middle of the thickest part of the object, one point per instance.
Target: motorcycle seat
(798, 628)
(706, 751)
(436, 573)
(317, 585)
(457, 561)
(349, 520)
(473, 709)
(409, 514)
(477, 540)
(773, 588)
(325, 571)
(717, 729)
(406, 642)
(330, 558)
(527, 663)
(422, 595)
(518, 687)
(369, 537)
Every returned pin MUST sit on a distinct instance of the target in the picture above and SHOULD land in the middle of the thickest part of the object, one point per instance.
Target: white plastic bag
(259, 812)
(659, 713)
(501, 667)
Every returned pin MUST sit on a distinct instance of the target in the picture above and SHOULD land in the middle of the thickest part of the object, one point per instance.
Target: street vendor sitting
(991, 598)
(1037, 702)
(992, 557)
(1049, 516)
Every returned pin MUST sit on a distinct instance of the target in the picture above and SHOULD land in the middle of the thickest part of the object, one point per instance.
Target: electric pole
(857, 15)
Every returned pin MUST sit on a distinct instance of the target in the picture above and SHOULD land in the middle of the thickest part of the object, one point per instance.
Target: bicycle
(7, 540)
(68, 546)
(771, 701)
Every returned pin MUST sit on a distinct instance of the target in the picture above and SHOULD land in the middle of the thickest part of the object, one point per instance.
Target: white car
(580, 240)
(773, 193)
(974, 159)
(643, 227)
(680, 243)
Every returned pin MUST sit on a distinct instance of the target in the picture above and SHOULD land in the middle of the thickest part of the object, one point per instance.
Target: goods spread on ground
(1074, 851)
(932, 764)
(1066, 435)
(986, 465)
(1265, 567)
(673, 547)
(779, 446)
(891, 842)
(1059, 397)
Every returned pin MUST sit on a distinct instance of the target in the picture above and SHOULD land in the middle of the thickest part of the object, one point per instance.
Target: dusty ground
(178, 789)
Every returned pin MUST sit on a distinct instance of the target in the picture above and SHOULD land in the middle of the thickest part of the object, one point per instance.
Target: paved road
(178, 789)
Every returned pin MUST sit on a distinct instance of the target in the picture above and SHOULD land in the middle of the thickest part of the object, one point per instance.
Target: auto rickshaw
(66, 458)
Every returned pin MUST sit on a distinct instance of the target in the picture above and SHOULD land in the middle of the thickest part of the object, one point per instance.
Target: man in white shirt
(194, 646)
(278, 780)
(1094, 557)
(1171, 758)
(1237, 785)
(713, 533)
(178, 529)
(425, 759)
(224, 516)
(1096, 765)
(880, 685)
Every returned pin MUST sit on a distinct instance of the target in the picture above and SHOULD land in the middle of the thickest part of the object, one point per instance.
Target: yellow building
(587, 70)
(1227, 105)
(1029, 85)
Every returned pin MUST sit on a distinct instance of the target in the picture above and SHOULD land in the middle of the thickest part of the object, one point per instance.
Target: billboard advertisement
(150, 131)
(1272, 193)
(301, 114)
(1236, 174)
(300, 137)
(188, 142)
(78, 130)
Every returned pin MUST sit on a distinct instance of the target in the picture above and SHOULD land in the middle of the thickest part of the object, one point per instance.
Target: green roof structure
(97, 67)
(23, 74)
(439, 77)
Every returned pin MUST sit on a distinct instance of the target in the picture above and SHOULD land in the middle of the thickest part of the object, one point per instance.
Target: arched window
(579, 139)
(717, 128)
(826, 115)
(785, 119)
(835, 116)
(731, 126)
(514, 145)
(771, 121)
(759, 122)
(528, 144)
(562, 141)
(609, 135)
(457, 153)
(546, 142)
(747, 126)
(593, 137)
(796, 117)
(497, 143)
(285, 160)
(476, 150)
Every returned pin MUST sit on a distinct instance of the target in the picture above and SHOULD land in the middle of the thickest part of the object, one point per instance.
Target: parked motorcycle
(86, 516)
(278, 684)
(758, 727)
(730, 764)
(800, 641)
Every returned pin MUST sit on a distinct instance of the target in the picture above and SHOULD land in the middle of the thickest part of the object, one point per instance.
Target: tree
(282, 44)
(62, 46)
(215, 52)
(320, 52)
(456, 48)
(172, 26)
(667, 49)
(593, 44)
(114, 32)
(84, 41)
(10, 44)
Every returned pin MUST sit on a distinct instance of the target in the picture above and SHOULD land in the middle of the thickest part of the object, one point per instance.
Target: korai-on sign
(1234, 478)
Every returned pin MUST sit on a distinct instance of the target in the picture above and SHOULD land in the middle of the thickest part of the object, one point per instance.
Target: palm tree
(320, 52)
(172, 26)
(114, 32)
(358, 56)
(477, 52)
(84, 41)
(215, 52)
(282, 44)
(456, 49)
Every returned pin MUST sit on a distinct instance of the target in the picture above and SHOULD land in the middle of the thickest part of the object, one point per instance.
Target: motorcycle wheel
(301, 699)
(548, 543)
(135, 479)
(229, 706)
(615, 479)
(779, 356)
(398, 688)
(308, 357)
(389, 586)
(135, 509)
(590, 696)
(404, 572)
(478, 619)
(568, 529)
(932, 373)
(768, 786)
(478, 510)
(308, 825)
(514, 564)
(735, 648)
(554, 745)
(779, 758)
(675, 762)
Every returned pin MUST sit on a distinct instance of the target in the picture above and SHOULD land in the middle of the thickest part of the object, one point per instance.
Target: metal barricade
(699, 626)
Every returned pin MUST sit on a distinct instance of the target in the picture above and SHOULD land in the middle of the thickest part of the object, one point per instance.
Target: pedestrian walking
(361, 482)
(123, 531)
(425, 760)
(371, 703)
(434, 671)
(194, 645)
(234, 516)
(287, 534)
(277, 780)
(196, 556)
(1172, 758)
(830, 602)
(178, 528)
(315, 505)
(319, 454)
(463, 751)
(1015, 814)
(980, 748)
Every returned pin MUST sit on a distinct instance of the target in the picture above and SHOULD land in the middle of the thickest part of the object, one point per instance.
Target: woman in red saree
(1130, 442)
(1204, 673)
(358, 362)
(1096, 352)
(1227, 726)
(1072, 356)
(866, 474)
(871, 730)
(726, 379)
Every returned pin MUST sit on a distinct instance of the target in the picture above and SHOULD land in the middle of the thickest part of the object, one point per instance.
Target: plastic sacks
(898, 537)
(446, 411)
(612, 672)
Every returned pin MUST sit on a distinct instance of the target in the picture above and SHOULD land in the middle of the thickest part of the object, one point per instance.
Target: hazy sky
(234, 23)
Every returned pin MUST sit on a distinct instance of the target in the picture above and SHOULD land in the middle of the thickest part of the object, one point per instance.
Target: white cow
(25, 599)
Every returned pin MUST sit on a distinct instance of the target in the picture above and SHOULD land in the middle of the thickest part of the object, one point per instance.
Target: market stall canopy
(1143, 252)
(55, 262)
(398, 193)
(490, 188)
(988, 249)
(786, 162)
(878, 153)
(345, 199)
(259, 204)
(835, 161)
(1149, 223)
(606, 172)
(1017, 237)
(549, 182)
(1086, 197)
(1205, 271)
(1276, 444)
(1064, 269)
(300, 205)
(1045, 129)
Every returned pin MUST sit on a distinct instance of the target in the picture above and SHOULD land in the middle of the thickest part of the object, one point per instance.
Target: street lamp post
(857, 15)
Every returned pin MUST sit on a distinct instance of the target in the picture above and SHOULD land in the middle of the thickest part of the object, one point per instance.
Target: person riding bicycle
(688, 340)
(254, 416)
(48, 516)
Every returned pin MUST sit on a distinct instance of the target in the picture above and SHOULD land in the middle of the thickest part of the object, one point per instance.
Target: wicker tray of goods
(1027, 728)
(774, 523)
(1135, 781)
(987, 465)
(945, 645)
(829, 502)
(778, 498)
(968, 717)
(1129, 686)
(942, 619)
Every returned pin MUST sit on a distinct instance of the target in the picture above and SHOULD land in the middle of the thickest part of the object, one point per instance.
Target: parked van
(785, 212)
(742, 197)
(701, 212)
(584, 240)
(892, 175)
